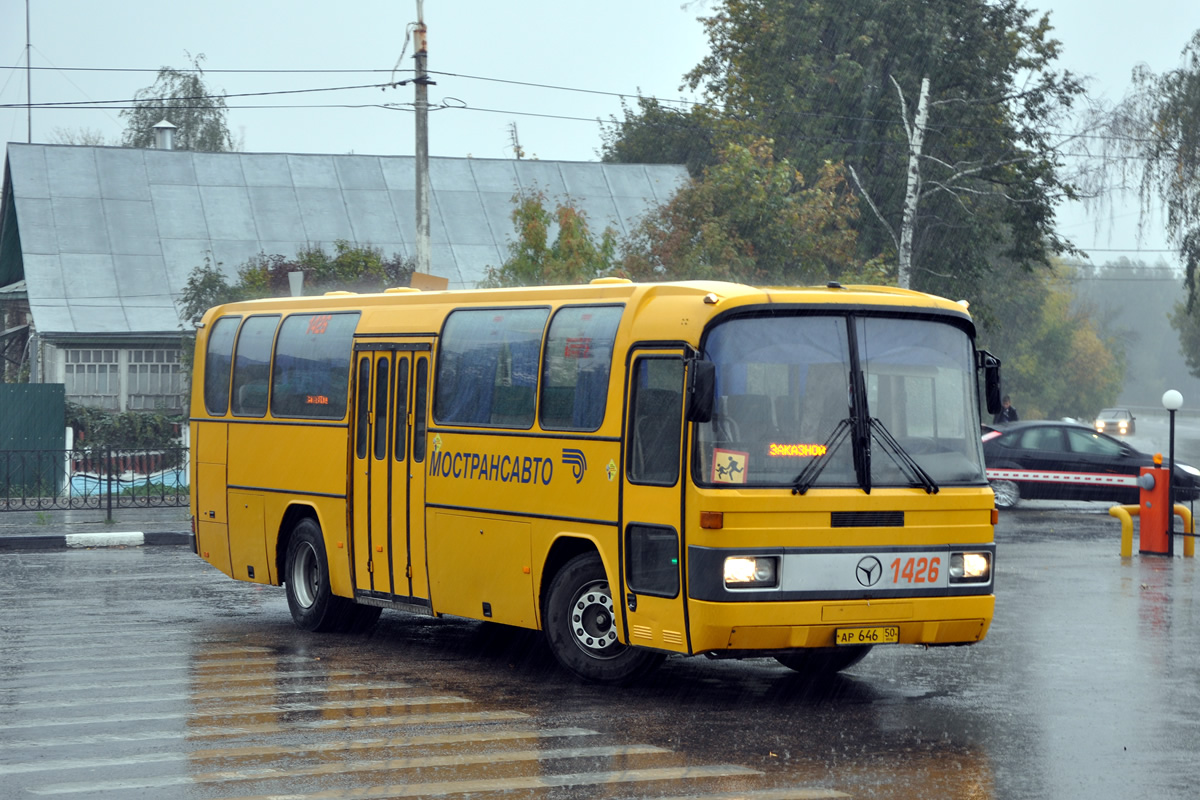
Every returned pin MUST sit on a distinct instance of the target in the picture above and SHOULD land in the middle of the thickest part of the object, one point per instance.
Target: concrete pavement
(84, 528)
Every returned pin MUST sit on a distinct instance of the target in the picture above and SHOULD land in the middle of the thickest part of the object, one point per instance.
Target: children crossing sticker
(729, 466)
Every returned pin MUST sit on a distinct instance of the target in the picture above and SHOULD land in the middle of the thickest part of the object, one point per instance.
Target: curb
(94, 540)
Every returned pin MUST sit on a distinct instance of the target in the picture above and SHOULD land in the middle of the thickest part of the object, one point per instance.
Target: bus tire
(313, 604)
(581, 629)
(823, 660)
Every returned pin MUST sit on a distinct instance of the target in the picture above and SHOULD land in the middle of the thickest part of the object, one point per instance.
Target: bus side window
(362, 407)
(382, 385)
(575, 370)
(419, 394)
(656, 414)
(312, 365)
(401, 424)
(218, 360)
(488, 367)
(251, 366)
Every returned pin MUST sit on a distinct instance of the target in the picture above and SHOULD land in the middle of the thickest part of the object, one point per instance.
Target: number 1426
(915, 570)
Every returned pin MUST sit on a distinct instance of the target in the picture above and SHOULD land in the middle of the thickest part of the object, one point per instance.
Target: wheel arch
(565, 547)
(283, 536)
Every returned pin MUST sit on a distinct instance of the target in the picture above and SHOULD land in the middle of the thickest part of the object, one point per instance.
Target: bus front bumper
(786, 626)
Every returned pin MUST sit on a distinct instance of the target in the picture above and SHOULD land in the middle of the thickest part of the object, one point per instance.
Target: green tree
(820, 80)
(1187, 325)
(1158, 124)
(351, 267)
(750, 218)
(573, 256)
(659, 134)
(182, 98)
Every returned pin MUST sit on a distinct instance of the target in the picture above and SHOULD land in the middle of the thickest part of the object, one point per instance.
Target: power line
(97, 104)
(209, 71)
(888, 121)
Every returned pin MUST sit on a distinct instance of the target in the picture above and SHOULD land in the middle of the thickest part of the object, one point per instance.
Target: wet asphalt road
(142, 672)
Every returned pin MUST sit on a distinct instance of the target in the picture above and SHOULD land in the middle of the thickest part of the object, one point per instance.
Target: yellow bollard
(1126, 515)
(1189, 542)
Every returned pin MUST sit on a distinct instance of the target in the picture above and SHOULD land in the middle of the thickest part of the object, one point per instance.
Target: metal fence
(93, 477)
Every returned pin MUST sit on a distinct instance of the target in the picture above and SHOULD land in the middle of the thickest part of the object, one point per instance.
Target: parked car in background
(1065, 461)
(1115, 421)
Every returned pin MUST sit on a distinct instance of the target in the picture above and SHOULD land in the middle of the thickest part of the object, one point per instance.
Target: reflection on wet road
(144, 673)
(115, 686)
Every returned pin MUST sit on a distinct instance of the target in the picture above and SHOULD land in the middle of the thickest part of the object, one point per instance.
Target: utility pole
(421, 81)
(28, 77)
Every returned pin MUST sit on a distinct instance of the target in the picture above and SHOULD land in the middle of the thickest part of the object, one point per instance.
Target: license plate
(887, 635)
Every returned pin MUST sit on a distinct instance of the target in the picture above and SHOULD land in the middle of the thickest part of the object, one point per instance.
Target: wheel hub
(592, 619)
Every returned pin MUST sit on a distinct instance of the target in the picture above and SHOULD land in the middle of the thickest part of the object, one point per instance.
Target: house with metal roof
(96, 243)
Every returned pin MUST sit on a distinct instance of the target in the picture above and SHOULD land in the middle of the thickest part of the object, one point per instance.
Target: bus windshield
(786, 412)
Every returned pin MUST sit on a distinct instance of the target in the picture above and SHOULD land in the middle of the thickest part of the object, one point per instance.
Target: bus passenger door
(408, 475)
(371, 469)
(388, 470)
(652, 502)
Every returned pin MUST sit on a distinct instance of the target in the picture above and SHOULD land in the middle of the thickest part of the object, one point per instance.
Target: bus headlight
(751, 572)
(970, 567)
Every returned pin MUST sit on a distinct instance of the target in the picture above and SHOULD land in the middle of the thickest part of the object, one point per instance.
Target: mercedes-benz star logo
(868, 571)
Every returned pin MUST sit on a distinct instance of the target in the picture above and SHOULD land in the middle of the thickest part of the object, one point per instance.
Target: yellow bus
(635, 469)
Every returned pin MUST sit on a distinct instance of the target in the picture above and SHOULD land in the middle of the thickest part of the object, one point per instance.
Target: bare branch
(871, 203)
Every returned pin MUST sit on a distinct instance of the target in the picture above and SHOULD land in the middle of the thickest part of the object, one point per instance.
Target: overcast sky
(548, 67)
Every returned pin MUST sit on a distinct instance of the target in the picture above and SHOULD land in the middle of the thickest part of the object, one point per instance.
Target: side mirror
(701, 389)
(991, 380)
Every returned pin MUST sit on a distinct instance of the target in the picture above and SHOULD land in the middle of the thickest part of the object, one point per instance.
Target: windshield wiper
(812, 470)
(903, 460)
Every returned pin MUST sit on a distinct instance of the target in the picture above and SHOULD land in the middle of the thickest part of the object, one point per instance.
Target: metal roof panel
(122, 173)
(79, 222)
(102, 225)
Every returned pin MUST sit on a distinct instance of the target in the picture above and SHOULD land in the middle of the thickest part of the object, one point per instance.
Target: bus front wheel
(313, 604)
(823, 660)
(581, 627)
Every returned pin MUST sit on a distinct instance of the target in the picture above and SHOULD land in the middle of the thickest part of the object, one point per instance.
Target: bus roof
(671, 298)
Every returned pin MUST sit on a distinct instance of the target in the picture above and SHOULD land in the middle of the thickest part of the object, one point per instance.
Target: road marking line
(470, 737)
(98, 665)
(761, 794)
(492, 785)
(233, 731)
(249, 711)
(233, 694)
(185, 680)
(347, 767)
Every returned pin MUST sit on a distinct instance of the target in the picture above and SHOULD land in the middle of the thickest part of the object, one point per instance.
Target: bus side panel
(330, 513)
(483, 568)
(212, 531)
(248, 544)
(291, 464)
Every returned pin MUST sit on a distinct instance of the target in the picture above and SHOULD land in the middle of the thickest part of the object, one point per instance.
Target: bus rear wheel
(581, 628)
(823, 660)
(313, 604)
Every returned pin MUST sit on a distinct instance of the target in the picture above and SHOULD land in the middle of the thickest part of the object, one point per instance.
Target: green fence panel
(32, 417)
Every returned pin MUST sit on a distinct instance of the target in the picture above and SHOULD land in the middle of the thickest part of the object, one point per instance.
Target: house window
(92, 378)
(155, 380)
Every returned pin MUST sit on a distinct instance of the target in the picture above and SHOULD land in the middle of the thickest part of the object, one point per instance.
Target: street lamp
(1172, 401)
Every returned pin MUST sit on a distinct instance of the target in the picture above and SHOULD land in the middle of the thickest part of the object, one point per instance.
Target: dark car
(1066, 461)
(1115, 421)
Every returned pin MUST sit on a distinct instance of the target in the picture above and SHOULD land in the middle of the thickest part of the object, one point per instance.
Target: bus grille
(867, 519)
